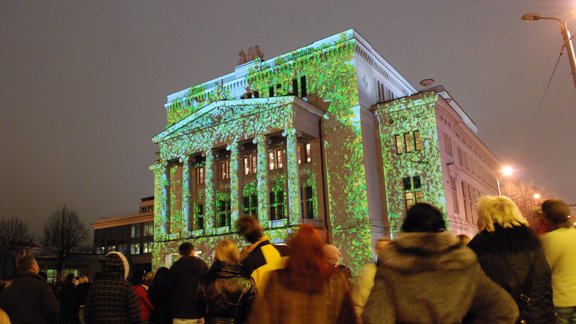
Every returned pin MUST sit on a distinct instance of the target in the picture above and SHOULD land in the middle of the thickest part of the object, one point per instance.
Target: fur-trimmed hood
(416, 252)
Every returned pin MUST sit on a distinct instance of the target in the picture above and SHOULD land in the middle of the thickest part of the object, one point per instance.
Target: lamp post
(565, 36)
(506, 171)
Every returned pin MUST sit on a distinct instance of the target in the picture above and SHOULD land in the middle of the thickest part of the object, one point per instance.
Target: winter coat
(226, 294)
(507, 255)
(560, 248)
(69, 303)
(185, 274)
(29, 299)
(146, 307)
(281, 303)
(111, 298)
(159, 295)
(262, 257)
(433, 278)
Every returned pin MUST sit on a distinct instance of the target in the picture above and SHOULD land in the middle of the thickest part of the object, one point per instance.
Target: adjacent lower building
(130, 234)
(329, 134)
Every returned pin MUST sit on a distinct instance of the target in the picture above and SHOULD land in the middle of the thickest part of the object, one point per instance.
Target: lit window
(271, 160)
(299, 153)
(246, 165)
(408, 199)
(147, 247)
(149, 229)
(200, 175)
(308, 152)
(225, 170)
(399, 144)
(417, 141)
(135, 248)
(409, 142)
(279, 159)
(135, 231)
(253, 166)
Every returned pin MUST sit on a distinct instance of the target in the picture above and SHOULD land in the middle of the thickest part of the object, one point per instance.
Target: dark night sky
(83, 83)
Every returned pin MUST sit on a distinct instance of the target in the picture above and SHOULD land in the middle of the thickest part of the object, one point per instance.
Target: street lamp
(505, 171)
(530, 16)
(537, 196)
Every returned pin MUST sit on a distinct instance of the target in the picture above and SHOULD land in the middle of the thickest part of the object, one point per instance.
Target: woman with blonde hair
(225, 291)
(511, 254)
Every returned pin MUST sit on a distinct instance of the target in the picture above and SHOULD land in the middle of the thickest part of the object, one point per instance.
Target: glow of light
(507, 170)
(537, 196)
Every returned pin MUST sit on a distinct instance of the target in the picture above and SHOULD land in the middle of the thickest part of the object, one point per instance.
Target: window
(467, 211)
(253, 165)
(412, 190)
(295, 87)
(304, 153)
(147, 247)
(123, 248)
(277, 205)
(135, 248)
(303, 91)
(146, 209)
(149, 229)
(409, 142)
(135, 230)
(448, 144)
(417, 141)
(250, 205)
(199, 212)
(101, 250)
(223, 211)
(246, 165)
(307, 195)
(271, 92)
(399, 144)
(225, 170)
(275, 159)
(200, 175)
(454, 191)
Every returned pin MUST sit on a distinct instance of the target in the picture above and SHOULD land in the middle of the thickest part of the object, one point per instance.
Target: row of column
(293, 186)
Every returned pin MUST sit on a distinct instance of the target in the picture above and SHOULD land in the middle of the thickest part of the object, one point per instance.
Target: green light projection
(399, 117)
(203, 120)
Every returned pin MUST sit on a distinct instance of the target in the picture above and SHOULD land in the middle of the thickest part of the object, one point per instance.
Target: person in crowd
(111, 298)
(29, 299)
(261, 256)
(83, 287)
(511, 255)
(425, 275)
(159, 294)
(4, 319)
(333, 256)
(69, 301)
(185, 274)
(365, 280)
(464, 239)
(307, 290)
(225, 291)
(141, 291)
(148, 278)
(559, 246)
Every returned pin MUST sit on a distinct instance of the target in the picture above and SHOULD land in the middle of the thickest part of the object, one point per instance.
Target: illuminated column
(166, 198)
(294, 213)
(209, 203)
(158, 170)
(262, 180)
(234, 182)
(185, 195)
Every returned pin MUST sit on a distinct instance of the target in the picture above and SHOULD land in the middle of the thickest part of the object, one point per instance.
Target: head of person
(249, 228)
(83, 279)
(423, 217)
(162, 277)
(69, 278)
(307, 267)
(186, 249)
(27, 263)
(116, 263)
(137, 278)
(557, 212)
(332, 254)
(498, 211)
(227, 251)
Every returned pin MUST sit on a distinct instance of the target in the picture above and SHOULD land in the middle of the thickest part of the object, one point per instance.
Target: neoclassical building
(311, 136)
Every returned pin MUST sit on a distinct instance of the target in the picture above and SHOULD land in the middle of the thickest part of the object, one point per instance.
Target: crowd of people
(505, 274)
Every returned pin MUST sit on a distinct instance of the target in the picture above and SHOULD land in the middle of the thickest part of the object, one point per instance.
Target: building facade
(301, 138)
(132, 234)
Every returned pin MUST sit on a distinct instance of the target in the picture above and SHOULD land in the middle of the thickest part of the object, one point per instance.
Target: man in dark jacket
(185, 274)
(261, 256)
(111, 299)
(29, 299)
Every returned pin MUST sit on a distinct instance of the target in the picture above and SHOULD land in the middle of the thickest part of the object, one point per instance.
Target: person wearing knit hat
(111, 299)
(560, 248)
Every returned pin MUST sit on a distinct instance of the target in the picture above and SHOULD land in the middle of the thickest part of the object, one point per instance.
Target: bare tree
(13, 230)
(64, 232)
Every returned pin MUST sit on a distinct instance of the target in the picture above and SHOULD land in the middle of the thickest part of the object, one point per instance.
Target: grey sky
(83, 83)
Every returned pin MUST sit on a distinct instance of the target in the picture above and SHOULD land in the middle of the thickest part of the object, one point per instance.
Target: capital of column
(289, 131)
(259, 138)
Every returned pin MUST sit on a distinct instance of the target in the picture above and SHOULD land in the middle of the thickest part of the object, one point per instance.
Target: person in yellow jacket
(261, 256)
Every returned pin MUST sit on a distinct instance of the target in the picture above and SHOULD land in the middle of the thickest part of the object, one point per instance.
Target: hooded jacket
(185, 274)
(111, 299)
(433, 278)
(226, 294)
